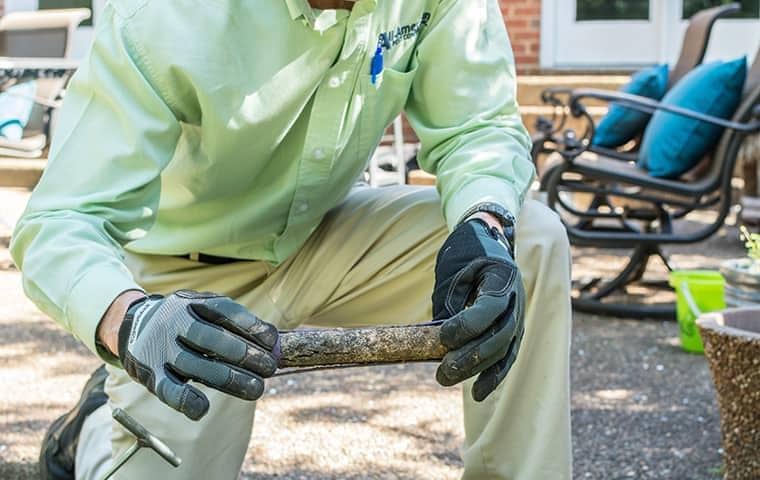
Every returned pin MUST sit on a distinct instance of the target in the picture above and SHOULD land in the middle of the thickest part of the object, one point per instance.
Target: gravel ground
(641, 407)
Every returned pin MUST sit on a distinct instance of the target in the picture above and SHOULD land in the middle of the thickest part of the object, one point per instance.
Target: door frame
(552, 16)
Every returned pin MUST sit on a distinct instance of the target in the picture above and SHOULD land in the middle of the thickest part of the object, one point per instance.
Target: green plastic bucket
(698, 291)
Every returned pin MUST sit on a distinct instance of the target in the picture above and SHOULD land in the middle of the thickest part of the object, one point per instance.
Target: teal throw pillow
(674, 144)
(622, 124)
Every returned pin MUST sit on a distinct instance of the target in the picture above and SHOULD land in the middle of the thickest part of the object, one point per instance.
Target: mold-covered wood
(323, 347)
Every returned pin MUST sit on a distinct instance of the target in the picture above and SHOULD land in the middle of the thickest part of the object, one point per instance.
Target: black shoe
(59, 447)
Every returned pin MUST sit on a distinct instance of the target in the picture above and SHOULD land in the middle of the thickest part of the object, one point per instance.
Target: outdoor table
(14, 70)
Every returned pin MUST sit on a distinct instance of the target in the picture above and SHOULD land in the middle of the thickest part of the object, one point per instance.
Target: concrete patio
(641, 407)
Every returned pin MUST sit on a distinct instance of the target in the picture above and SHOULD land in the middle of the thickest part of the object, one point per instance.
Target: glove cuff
(504, 238)
(125, 329)
(506, 219)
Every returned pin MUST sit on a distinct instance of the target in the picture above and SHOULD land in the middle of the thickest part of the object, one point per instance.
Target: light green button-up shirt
(231, 127)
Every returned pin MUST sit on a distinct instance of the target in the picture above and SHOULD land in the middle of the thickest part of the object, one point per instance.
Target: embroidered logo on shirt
(388, 40)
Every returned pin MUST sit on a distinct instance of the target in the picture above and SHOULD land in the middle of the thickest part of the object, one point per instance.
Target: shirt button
(303, 206)
(318, 153)
(334, 82)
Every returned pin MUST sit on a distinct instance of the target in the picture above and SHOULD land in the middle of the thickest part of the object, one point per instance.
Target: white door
(604, 34)
(594, 33)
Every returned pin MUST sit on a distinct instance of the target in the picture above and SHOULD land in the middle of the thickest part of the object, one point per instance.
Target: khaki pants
(370, 262)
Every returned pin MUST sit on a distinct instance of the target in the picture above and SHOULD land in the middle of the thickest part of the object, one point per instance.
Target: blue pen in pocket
(377, 66)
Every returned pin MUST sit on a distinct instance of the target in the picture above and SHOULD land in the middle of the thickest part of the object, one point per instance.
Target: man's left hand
(480, 296)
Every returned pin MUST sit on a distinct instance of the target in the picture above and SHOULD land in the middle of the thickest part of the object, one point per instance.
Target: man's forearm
(108, 328)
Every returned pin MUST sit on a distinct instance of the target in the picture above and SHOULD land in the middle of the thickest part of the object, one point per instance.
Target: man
(212, 146)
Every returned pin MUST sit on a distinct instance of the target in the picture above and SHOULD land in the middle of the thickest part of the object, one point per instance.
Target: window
(50, 4)
(612, 10)
(750, 8)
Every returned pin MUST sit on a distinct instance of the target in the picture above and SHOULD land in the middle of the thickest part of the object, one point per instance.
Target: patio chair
(39, 34)
(693, 49)
(627, 208)
(387, 166)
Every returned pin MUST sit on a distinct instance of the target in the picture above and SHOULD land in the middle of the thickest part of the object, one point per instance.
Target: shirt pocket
(382, 103)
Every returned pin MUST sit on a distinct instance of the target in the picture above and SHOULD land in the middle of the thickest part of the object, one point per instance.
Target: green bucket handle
(695, 310)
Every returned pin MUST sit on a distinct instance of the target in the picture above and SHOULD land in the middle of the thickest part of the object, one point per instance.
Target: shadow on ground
(641, 408)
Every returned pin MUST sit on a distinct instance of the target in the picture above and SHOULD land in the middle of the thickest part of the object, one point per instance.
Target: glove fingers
(494, 375)
(234, 317)
(182, 397)
(225, 346)
(219, 376)
(473, 321)
(478, 355)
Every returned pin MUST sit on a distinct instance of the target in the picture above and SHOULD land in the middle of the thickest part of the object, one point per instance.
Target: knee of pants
(557, 244)
(543, 249)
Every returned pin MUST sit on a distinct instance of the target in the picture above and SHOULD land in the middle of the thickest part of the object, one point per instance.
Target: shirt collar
(300, 9)
(323, 20)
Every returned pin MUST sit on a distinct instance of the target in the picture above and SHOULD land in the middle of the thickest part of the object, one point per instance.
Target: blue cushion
(621, 124)
(16, 106)
(674, 144)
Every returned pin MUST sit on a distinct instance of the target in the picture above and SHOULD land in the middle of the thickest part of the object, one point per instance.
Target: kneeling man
(215, 146)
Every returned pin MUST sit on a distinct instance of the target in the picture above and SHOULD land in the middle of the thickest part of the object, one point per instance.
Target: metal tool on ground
(144, 439)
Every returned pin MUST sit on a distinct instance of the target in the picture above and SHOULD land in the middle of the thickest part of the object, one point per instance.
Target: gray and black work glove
(480, 297)
(205, 337)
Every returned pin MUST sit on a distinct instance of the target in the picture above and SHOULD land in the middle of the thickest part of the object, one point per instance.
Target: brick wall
(523, 19)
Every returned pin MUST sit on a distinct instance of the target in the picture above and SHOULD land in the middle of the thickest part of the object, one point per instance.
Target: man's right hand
(166, 341)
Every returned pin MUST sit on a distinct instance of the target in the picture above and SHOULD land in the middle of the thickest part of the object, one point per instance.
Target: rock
(732, 347)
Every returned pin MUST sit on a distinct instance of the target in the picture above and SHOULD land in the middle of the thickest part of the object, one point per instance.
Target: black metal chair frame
(647, 226)
(693, 50)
